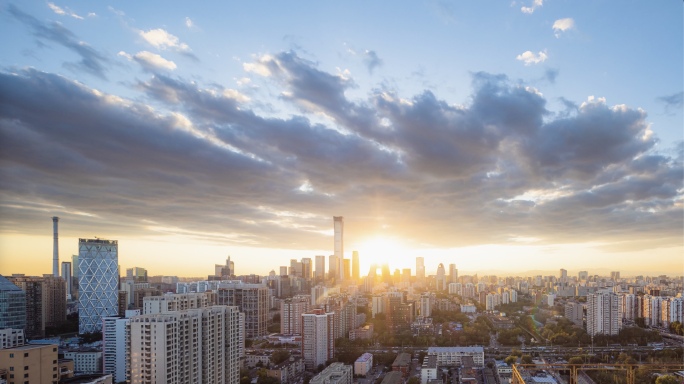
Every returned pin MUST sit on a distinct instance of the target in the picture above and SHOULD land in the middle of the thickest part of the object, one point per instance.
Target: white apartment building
(115, 345)
(318, 338)
(177, 302)
(85, 361)
(602, 313)
(363, 364)
(201, 345)
(10, 338)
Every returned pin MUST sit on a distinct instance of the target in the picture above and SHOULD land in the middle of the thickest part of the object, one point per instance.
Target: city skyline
(513, 137)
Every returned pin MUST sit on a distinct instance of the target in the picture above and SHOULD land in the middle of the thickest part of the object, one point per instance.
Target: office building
(307, 268)
(615, 275)
(338, 226)
(420, 269)
(563, 278)
(13, 304)
(30, 364)
(68, 279)
(356, 267)
(603, 315)
(582, 275)
(200, 345)
(137, 274)
(54, 300)
(335, 373)
(441, 278)
(252, 300)
(453, 274)
(85, 362)
(291, 311)
(98, 272)
(320, 268)
(333, 267)
(318, 338)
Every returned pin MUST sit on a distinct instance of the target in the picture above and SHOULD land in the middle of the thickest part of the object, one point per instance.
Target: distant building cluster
(139, 328)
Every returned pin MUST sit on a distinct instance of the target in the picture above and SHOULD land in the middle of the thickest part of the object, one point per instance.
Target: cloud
(64, 12)
(535, 4)
(189, 23)
(550, 75)
(204, 162)
(152, 61)
(529, 57)
(161, 39)
(562, 25)
(371, 60)
(92, 61)
(672, 102)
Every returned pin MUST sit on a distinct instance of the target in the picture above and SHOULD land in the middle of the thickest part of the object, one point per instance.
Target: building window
(11, 355)
(25, 354)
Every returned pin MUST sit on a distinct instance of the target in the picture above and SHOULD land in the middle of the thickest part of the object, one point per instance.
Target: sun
(381, 250)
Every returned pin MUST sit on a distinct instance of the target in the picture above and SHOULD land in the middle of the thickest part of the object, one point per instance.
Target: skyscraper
(306, 268)
(338, 225)
(320, 267)
(318, 338)
(333, 267)
(33, 289)
(98, 272)
(116, 345)
(441, 277)
(563, 276)
(453, 273)
(252, 300)
(66, 275)
(356, 274)
(55, 247)
(420, 269)
(291, 311)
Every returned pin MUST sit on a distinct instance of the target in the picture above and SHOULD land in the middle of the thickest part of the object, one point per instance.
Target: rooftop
(455, 349)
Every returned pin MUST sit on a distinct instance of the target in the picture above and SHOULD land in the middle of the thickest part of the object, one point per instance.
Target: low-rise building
(335, 373)
(363, 364)
(30, 363)
(451, 356)
(428, 371)
(288, 371)
(85, 361)
(10, 338)
(402, 364)
(394, 377)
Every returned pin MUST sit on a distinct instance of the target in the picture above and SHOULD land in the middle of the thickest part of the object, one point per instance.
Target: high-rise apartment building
(563, 278)
(13, 304)
(320, 268)
(33, 288)
(615, 275)
(177, 302)
(200, 345)
(54, 300)
(137, 274)
(98, 277)
(583, 275)
(603, 315)
(291, 311)
(252, 300)
(318, 338)
(356, 268)
(116, 344)
(575, 313)
(338, 226)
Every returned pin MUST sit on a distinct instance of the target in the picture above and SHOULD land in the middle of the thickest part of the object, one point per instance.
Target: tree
(576, 360)
(526, 359)
(667, 379)
(413, 380)
(510, 360)
(279, 356)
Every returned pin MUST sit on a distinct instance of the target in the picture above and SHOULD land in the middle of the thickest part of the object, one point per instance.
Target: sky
(502, 137)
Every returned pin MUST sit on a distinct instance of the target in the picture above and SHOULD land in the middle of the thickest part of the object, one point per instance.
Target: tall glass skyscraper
(338, 224)
(98, 282)
(12, 305)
